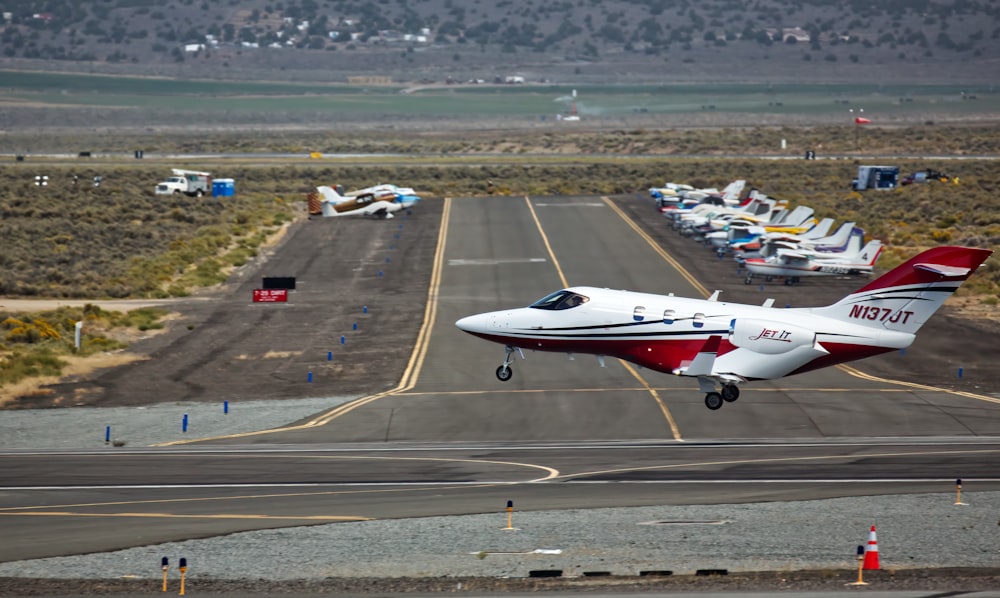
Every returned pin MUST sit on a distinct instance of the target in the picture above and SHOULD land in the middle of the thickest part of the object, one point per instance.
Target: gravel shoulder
(803, 545)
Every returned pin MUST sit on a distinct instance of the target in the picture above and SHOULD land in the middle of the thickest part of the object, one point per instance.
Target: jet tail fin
(904, 298)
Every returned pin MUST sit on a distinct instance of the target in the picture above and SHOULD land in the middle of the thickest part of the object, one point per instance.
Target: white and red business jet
(729, 343)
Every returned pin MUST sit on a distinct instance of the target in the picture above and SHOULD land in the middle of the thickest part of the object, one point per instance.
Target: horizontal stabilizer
(946, 271)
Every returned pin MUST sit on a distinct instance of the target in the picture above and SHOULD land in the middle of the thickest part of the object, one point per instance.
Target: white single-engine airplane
(731, 343)
(380, 201)
(793, 263)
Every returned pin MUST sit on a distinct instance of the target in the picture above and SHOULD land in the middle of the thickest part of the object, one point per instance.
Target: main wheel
(504, 373)
(730, 392)
(713, 400)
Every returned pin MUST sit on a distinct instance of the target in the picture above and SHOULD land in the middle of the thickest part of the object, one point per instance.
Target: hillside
(552, 40)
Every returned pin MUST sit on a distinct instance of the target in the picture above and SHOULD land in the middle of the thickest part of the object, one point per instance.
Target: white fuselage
(665, 333)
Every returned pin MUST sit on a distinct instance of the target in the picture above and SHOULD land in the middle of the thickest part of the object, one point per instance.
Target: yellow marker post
(164, 564)
(510, 515)
(958, 492)
(183, 569)
(861, 560)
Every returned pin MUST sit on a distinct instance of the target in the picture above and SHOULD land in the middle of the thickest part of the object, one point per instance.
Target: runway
(565, 432)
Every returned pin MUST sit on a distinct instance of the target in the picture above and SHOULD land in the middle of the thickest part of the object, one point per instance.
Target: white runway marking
(486, 262)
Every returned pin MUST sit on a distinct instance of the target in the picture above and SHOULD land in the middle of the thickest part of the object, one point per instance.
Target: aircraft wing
(790, 256)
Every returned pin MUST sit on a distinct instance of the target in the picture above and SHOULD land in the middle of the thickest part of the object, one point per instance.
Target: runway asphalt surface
(433, 418)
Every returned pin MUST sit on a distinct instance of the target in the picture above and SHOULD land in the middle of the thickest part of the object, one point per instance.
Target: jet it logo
(773, 335)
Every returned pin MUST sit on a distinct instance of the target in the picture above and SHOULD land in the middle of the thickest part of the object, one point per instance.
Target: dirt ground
(359, 302)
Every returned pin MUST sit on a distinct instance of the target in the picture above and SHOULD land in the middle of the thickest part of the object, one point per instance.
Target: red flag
(860, 120)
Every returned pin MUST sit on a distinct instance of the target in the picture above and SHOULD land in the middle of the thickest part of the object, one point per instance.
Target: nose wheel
(504, 372)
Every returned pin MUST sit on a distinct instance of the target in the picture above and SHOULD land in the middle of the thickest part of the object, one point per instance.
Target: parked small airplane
(728, 344)
(380, 201)
(766, 246)
(744, 234)
(716, 232)
(678, 195)
(793, 263)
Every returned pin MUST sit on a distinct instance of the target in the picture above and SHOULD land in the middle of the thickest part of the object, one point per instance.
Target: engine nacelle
(769, 338)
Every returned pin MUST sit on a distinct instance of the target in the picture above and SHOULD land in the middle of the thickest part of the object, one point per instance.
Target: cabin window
(639, 313)
(698, 320)
(668, 316)
(560, 300)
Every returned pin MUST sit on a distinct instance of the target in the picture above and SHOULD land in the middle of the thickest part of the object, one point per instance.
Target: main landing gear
(714, 400)
(504, 372)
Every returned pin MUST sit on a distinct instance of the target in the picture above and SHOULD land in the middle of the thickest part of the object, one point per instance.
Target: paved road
(451, 431)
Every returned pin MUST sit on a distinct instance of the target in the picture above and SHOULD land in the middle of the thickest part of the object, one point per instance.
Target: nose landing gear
(504, 372)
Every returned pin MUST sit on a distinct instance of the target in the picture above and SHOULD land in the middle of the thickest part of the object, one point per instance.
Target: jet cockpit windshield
(563, 299)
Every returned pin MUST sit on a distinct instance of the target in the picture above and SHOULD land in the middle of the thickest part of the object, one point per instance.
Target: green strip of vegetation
(33, 345)
(485, 101)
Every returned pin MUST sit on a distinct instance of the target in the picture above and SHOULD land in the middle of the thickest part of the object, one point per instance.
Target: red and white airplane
(727, 344)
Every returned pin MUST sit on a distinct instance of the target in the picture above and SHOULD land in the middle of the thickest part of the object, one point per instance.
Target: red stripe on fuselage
(656, 354)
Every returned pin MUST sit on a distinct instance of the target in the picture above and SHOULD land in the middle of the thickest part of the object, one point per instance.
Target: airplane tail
(870, 253)
(330, 194)
(904, 298)
(329, 197)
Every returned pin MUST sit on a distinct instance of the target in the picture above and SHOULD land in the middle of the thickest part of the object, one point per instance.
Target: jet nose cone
(472, 324)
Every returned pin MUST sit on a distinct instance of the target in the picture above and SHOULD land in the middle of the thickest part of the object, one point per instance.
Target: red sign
(270, 295)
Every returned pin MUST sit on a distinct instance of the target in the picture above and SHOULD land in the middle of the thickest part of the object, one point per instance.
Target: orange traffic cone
(871, 551)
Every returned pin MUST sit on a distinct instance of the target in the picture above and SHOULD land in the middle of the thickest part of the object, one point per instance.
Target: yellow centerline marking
(656, 395)
(632, 371)
(250, 497)
(656, 247)
(961, 393)
(549, 474)
(642, 389)
(545, 240)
